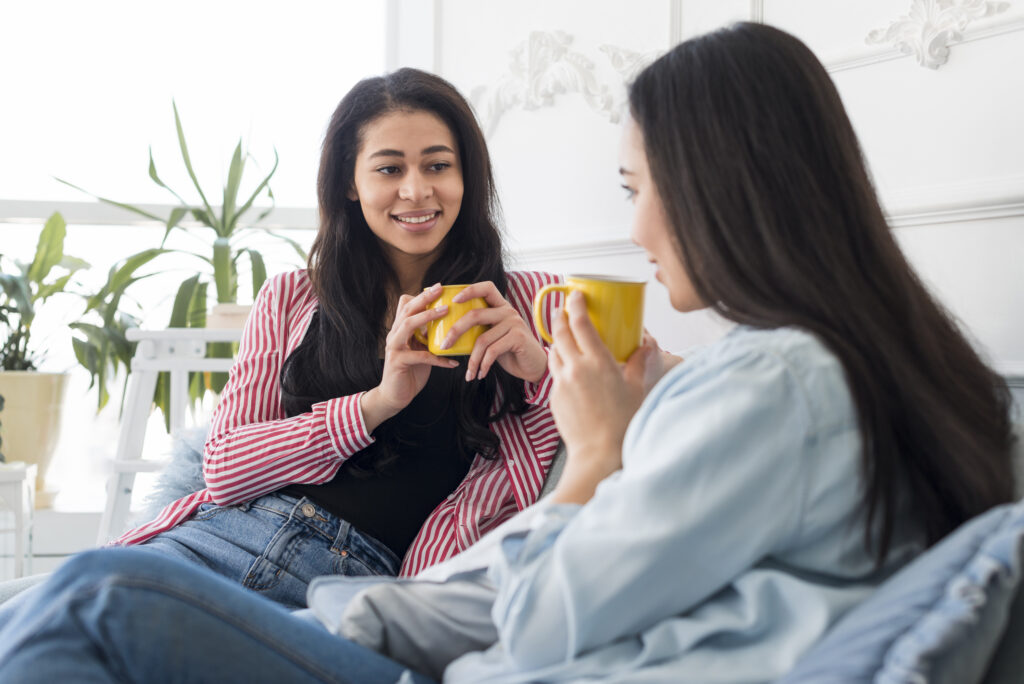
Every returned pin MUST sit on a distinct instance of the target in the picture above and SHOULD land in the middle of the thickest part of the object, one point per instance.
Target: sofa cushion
(939, 620)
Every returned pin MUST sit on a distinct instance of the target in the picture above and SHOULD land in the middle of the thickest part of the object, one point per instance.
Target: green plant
(223, 225)
(26, 286)
(225, 235)
(102, 347)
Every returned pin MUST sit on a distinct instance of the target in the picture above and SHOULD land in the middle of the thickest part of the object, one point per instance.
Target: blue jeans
(275, 545)
(127, 615)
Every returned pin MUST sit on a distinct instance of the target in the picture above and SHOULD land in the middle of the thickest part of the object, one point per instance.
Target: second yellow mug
(438, 329)
(615, 306)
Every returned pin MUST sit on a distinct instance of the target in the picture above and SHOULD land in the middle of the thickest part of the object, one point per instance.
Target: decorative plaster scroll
(628, 64)
(543, 66)
(932, 26)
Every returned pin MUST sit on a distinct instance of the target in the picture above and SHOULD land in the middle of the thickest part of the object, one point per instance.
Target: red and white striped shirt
(253, 449)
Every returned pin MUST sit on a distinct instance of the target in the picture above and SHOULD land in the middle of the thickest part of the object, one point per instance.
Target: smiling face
(651, 227)
(408, 182)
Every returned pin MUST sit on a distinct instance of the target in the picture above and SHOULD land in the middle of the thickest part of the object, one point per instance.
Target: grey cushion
(939, 620)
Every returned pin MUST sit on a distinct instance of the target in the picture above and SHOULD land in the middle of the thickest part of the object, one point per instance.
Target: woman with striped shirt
(340, 445)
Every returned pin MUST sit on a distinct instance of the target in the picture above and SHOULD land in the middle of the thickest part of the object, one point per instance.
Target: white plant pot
(228, 316)
(30, 421)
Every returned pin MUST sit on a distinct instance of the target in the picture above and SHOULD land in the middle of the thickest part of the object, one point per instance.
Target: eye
(388, 170)
(440, 166)
(630, 193)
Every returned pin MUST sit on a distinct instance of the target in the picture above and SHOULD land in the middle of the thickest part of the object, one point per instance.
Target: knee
(96, 565)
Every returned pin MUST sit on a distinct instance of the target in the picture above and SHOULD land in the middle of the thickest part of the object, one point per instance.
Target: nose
(415, 187)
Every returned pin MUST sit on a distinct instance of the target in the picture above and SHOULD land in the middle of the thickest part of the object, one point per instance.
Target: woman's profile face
(408, 182)
(651, 229)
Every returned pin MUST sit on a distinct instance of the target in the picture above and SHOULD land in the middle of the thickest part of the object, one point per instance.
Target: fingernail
(435, 286)
(447, 342)
(443, 308)
(469, 376)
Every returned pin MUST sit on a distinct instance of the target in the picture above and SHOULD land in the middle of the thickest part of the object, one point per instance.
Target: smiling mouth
(416, 220)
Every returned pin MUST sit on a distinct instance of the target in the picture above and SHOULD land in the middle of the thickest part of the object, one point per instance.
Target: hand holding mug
(593, 399)
(505, 338)
(615, 307)
(406, 368)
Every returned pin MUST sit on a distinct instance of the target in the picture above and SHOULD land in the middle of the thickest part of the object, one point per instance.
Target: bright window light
(86, 88)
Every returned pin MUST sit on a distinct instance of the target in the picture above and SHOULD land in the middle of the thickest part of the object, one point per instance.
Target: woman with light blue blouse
(707, 529)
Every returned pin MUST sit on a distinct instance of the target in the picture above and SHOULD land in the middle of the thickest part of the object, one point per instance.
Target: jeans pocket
(207, 510)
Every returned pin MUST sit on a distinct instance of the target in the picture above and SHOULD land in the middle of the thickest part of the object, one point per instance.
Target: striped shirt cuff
(346, 428)
(539, 393)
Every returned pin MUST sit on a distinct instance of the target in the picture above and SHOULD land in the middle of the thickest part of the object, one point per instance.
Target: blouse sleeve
(711, 483)
(523, 287)
(253, 448)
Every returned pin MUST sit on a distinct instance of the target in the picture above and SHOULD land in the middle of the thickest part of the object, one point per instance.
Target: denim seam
(290, 517)
(145, 585)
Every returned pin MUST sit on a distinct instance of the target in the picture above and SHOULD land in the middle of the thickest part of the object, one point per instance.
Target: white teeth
(417, 219)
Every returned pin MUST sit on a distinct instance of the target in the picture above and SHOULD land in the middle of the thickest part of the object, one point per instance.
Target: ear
(352, 194)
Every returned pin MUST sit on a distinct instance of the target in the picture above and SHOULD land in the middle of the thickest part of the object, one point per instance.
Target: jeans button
(308, 510)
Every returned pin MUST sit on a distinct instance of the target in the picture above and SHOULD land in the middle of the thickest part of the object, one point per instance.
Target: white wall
(944, 143)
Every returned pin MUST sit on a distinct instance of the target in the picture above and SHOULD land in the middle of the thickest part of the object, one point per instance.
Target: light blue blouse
(729, 542)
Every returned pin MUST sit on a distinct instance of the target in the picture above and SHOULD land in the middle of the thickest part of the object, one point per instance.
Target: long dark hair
(355, 283)
(778, 224)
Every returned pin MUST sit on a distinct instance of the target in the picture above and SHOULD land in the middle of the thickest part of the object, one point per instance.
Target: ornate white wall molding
(974, 200)
(587, 249)
(932, 26)
(543, 67)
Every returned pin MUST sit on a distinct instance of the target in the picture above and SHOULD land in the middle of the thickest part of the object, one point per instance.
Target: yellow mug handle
(421, 337)
(538, 304)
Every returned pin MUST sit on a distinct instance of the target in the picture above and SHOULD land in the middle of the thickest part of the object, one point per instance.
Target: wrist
(580, 478)
(375, 409)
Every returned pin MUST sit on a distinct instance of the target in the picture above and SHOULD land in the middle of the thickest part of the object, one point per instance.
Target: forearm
(580, 478)
(250, 460)
(375, 410)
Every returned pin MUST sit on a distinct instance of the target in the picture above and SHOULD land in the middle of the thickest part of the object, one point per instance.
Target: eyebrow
(624, 171)
(433, 149)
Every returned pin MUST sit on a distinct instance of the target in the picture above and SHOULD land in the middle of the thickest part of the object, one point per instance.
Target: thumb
(636, 364)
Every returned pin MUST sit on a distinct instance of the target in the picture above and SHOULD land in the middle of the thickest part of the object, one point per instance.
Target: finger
(583, 330)
(412, 304)
(473, 365)
(422, 358)
(555, 363)
(494, 347)
(636, 364)
(502, 346)
(648, 339)
(404, 329)
(563, 337)
(485, 289)
(476, 317)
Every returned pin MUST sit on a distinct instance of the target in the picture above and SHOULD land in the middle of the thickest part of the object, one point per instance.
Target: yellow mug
(615, 306)
(438, 329)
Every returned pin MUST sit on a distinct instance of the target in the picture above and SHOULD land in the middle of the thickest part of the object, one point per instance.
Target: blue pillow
(182, 475)
(938, 620)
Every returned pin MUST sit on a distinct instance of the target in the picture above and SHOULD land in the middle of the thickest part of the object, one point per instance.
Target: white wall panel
(945, 144)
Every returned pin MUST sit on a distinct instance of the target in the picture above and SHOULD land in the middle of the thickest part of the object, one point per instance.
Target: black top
(393, 502)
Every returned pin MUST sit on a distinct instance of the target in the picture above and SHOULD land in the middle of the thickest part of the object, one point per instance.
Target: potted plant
(224, 231)
(33, 398)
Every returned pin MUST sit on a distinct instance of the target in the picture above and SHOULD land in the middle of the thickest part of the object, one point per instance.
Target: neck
(411, 269)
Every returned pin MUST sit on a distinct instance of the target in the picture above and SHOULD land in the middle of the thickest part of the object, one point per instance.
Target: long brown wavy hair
(777, 222)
